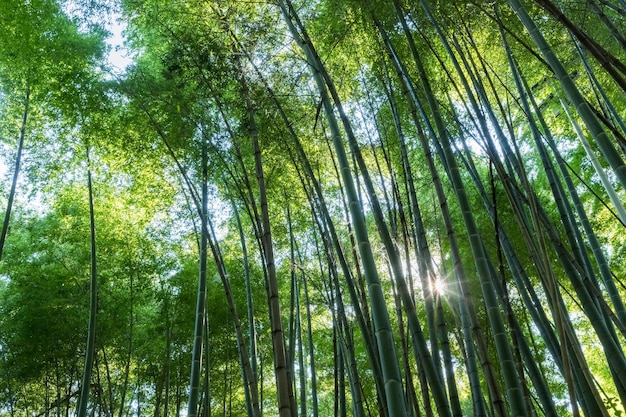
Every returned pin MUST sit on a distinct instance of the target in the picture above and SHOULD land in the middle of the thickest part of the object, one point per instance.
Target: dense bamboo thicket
(327, 208)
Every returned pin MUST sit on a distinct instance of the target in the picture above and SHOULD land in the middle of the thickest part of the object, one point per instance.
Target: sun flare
(440, 286)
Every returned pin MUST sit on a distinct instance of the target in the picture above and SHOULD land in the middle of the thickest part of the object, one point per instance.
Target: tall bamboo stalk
(572, 92)
(384, 335)
(328, 230)
(16, 170)
(90, 349)
(196, 356)
(286, 402)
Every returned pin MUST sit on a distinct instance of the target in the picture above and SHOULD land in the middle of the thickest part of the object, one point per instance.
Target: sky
(119, 57)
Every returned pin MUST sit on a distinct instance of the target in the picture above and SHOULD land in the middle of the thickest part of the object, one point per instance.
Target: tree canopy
(337, 207)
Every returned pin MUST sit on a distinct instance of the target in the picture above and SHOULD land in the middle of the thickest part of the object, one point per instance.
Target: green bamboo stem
(554, 183)
(90, 348)
(384, 335)
(196, 361)
(515, 397)
(361, 312)
(531, 299)
(604, 179)
(314, 396)
(503, 348)
(608, 23)
(572, 92)
(252, 352)
(425, 265)
(346, 344)
(468, 313)
(602, 262)
(16, 170)
(286, 402)
(614, 114)
(605, 58)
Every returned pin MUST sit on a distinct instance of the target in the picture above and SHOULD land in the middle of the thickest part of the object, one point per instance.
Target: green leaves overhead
(370, 150)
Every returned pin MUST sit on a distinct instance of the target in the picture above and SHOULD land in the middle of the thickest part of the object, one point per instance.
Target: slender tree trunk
(196, 361)
(574, 95)
(93, 304)
(345, 344)
(307, 303)
(249, 379)
(561, 353)
(16, 170)
(129, 351)
(206, 392)
(301, 361)
(387, 351)
(168, 355)
(595, 7)
(468, 314)
(358, 301)
(604, 179)
(286, 403)
(610, 63)
(252, 352)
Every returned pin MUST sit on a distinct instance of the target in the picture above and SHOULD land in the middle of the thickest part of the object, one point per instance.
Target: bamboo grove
(325, 208)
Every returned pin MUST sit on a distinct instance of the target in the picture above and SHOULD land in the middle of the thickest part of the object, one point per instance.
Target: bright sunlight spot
(440, 286)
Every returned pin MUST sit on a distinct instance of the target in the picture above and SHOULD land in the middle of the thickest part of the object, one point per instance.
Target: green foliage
(145, 130)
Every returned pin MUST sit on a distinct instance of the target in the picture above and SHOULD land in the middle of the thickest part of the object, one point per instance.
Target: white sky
(119, 57)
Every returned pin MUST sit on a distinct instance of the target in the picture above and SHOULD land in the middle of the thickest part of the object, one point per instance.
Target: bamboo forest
(401, 208)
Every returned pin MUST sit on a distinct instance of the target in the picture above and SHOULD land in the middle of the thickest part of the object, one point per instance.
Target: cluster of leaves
(216, 75)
